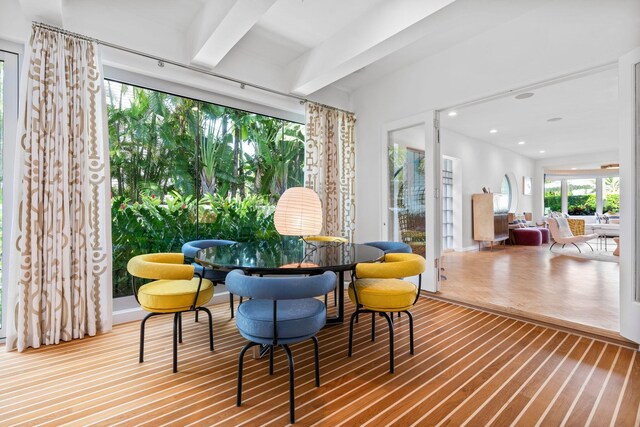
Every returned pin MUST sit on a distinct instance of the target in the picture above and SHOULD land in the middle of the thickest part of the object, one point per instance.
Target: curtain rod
(161, 61)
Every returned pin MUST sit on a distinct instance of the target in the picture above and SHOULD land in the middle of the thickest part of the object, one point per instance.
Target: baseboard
(473, 248)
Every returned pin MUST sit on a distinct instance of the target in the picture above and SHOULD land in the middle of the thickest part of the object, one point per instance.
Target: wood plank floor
(470, 368)
(532, 282)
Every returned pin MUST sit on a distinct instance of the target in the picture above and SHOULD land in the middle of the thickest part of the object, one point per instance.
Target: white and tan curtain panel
(59, 262)
(330, 166)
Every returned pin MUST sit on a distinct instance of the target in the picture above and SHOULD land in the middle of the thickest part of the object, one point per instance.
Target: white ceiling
(304, 46)
(587, 106)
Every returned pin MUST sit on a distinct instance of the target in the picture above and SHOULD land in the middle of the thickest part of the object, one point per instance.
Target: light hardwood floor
(531, 281)
(469, 367)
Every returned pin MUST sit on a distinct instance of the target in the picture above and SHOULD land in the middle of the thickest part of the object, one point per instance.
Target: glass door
(8, 121)
(406, 162)
(629, 90)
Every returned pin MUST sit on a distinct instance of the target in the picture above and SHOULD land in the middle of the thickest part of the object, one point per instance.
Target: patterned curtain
(330, 166)
(60, 264)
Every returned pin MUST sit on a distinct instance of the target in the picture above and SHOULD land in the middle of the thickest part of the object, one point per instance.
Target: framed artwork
(526, 185)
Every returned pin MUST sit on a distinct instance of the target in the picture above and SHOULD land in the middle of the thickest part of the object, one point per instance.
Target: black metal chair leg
(144, 321)
(326, 300)
(316, 346)
(335, 297)
(292, 404)
(589, 246)
(196, 317)
(176, 325)
(240, 360)
(271, 360)
(373, 326)
(231, 303)
(579, 251)
(180, 327)
(206, 310)
(353, 317)
(410, 331)
(386, 316)
(551, 247)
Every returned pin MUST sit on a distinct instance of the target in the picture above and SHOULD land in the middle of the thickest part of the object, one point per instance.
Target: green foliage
(152, 225)
(553, 202)
(183, 169)
(581, 205)
(612, 203)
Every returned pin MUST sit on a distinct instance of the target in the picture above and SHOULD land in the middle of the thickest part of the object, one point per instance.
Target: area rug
(597, 254)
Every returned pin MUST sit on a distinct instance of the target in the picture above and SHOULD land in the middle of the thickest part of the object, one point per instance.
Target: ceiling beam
(46, 11)
(221, 26)
(381, 31)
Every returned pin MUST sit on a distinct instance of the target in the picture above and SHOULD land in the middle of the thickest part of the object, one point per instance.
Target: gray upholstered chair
(281, 311)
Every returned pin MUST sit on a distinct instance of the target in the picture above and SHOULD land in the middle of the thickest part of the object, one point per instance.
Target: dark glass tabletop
(288, 253)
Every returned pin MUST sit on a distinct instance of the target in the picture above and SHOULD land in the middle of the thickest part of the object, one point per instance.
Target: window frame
(125, 307)
(11, 55)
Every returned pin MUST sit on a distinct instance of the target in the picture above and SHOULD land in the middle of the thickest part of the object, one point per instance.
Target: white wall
(556, 39)
(484, 165)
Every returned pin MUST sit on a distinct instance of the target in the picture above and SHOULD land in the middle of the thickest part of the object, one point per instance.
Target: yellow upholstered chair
(378, 289)
(328, 239)
(174, 289)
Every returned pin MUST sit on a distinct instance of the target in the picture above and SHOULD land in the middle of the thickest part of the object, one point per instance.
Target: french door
(410, 189)
(8, 122)
(629, 93)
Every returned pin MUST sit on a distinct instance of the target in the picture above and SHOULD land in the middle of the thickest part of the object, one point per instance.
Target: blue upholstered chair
(282, 311)
(391, 247)
(190, 249)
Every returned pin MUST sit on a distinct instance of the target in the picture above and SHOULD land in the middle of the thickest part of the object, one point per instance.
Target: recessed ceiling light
(493, 131)
(521, 142)
(541, 151)
(452, 114)
(524, 95)
(573, 169)
(554, 119)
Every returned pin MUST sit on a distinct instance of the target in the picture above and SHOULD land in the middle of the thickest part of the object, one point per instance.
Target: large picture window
(183, 169)
(582, 195)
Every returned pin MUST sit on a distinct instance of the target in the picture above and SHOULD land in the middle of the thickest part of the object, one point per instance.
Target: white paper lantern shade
(298, 213)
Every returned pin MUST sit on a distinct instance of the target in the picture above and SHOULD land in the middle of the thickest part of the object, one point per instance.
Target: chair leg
(589, 246)
(317, 359)
(373, 326)
(144, 321)
(206, 310)
(240, 360)
(335, 297)
(292, 405)
(271, 360)
(176, 326)
(353, 317)
(231, 303)
(386, 316)
(180, 327)
(326, 300)
(551, 247)
(577, 247)
(196, 318)
(410, 331)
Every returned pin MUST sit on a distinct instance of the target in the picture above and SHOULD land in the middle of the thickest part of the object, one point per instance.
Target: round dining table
(291, 256)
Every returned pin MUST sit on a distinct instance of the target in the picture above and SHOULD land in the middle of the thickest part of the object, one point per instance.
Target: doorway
(508, 145)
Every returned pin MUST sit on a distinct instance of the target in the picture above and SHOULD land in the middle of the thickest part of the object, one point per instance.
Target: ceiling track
(162, 61)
